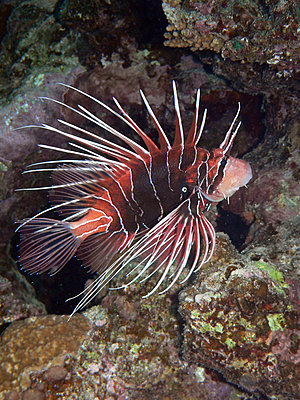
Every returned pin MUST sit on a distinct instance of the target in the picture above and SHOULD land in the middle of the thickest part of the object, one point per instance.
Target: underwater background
(233, 331)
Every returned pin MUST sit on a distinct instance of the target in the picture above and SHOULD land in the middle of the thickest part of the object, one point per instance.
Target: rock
(237, 31)
(33, 394)
(37, 344)
(105, 354)
(240, 321)
(55, 374)
(17, 297)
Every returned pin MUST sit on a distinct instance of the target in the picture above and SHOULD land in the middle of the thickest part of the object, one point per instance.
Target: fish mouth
(214, 197)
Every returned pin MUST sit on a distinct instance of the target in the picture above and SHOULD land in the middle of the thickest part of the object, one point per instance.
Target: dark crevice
(234, 225)
(5, 11)
(103, 28)
(151, 21)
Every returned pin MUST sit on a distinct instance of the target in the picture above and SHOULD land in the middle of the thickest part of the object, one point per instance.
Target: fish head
(234, 174)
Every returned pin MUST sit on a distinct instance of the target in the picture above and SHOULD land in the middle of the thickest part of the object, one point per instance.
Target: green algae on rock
(244, 326)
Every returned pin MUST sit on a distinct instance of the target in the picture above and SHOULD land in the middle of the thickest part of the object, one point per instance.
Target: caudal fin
(46, 245)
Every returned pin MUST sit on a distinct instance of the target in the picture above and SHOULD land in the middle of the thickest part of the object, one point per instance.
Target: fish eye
(184, 193)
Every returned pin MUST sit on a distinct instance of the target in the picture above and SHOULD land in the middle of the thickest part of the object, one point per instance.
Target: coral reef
(126, 348)
(253, 45)
(102, 27)
(274, 231)
(248, 31)
(239, 316)
(240, 320)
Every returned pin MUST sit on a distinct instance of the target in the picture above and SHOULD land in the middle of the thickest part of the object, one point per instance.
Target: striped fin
(46, 245)
(194, 137)
(227, 142)
(136, 147)
(89, 183)
(100, 144)
(166, 248)
(151, 146)
(98, 250)
(164, 251)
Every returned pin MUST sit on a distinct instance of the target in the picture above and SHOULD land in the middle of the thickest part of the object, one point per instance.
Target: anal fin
(98, 250)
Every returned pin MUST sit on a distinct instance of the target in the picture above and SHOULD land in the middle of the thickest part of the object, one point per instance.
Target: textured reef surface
(233, 331)
(264, 32)
(240, 320)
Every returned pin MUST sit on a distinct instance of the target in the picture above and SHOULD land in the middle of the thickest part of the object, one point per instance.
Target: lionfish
(134, 208)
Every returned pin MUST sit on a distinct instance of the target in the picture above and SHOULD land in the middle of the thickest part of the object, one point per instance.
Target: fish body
(134, 205)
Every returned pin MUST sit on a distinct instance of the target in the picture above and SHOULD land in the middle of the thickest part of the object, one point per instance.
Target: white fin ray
(50, 209)
(164, 142)
(151, 146)
(107, 108)
(67, 151)
(90, 144)
(193, 130)
(136, 147)
(227, 148)
(179, 128)
(201, 127)
(227, 136)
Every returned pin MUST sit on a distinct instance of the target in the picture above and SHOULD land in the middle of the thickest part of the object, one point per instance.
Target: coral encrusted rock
(252, 31)
(241, 320)
(37, 344)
